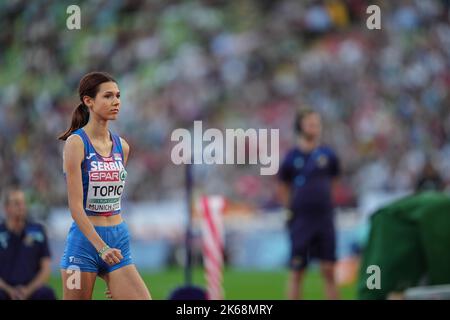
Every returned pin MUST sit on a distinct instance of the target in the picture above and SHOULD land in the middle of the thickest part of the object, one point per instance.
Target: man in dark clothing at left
(24, 253)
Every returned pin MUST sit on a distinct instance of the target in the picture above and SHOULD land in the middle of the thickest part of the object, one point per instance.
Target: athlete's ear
(88, 101)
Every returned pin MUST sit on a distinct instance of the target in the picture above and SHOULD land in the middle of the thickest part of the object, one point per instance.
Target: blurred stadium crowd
(233, 64)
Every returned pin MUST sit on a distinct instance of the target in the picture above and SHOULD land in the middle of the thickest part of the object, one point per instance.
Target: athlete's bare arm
(126, 150)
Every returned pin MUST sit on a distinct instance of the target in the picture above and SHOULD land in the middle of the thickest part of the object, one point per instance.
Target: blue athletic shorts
(312, 239)
(79, 252)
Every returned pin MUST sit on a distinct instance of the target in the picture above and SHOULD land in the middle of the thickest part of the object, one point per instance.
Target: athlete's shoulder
(74, 140)
(78, 132)
(74, 149)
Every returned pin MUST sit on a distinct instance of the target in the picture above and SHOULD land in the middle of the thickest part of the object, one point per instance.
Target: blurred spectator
(24, 253)
(429, 179)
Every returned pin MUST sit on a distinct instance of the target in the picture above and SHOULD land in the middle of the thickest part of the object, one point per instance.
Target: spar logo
(123, 175)
(105, 176)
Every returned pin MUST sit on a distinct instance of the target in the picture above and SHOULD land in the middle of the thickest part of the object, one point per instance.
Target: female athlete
(94, 166)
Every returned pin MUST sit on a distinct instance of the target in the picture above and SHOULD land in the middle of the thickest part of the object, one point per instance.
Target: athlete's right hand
(112, 256)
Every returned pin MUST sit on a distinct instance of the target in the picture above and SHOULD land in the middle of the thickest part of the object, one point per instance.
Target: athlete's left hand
(112, 256)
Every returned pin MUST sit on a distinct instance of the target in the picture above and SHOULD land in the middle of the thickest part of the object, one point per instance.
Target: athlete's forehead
(108, 87)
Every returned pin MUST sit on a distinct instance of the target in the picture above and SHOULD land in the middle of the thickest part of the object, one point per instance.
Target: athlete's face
(15, 207)
(106, 104)
(312, 126)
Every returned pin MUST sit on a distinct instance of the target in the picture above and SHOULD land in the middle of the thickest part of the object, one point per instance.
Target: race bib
(106, 184)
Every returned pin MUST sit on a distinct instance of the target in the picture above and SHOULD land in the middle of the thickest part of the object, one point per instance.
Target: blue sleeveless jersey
(103, 177)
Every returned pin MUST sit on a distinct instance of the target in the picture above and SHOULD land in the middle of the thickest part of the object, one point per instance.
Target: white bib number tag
(105, 190)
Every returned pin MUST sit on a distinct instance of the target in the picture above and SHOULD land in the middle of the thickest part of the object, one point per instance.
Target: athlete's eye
(118, 96)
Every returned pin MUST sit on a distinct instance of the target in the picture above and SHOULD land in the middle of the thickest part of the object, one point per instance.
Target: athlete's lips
(115, 110)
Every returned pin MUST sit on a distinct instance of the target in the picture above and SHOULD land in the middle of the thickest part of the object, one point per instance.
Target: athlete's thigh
(77, 285)
(126, 284)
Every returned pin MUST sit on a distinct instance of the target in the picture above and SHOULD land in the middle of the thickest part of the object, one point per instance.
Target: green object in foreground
(410, 242)
(238, 284)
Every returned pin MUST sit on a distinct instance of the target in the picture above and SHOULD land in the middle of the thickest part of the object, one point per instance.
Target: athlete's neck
(307, 145)
(98, 130)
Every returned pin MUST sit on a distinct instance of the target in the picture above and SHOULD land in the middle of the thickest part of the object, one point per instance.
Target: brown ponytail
(89, 86)
(80, 118)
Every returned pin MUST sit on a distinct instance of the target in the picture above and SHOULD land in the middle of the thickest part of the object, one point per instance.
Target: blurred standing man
(306, 177)
(24, 253)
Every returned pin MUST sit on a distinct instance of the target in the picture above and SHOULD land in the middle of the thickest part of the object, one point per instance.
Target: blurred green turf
(238, 284)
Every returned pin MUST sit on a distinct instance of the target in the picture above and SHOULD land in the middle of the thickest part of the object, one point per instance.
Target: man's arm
(4, 286)
(284, 197)
(283, 194)
(10, 291)
(335, 172)
(283, 188)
